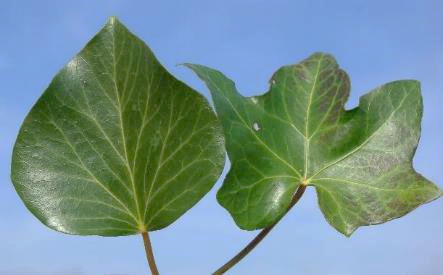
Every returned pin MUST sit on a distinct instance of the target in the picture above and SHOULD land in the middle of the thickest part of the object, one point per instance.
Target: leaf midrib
(307, 115)
(140, 224)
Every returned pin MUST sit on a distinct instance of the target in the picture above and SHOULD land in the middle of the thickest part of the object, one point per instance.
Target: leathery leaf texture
(359, 160)
(116, 145)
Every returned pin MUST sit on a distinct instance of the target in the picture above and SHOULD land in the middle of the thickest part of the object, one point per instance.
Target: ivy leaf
(116, 145)
(359, 161)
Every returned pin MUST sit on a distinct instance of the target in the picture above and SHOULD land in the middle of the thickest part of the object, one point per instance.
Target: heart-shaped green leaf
(360, 161)
(116, 145)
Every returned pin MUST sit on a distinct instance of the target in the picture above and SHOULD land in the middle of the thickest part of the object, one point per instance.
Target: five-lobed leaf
(359, 161)
(116, 145)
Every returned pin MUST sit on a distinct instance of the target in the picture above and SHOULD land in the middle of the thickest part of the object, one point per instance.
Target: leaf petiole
(251, 245)
(149, 254)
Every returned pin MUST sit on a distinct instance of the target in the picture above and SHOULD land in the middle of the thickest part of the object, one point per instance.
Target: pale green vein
(367, 185)
(122, 127)
(254, 135)
(160, 160)
(97, 181)
(99, 218)
(175, 176)
(86, 201)
(145, 122)
(363, 143)
(328, 112)
(308, 112)
(98, 125)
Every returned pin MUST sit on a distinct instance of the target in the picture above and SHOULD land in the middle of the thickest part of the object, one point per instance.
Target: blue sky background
(374, 41)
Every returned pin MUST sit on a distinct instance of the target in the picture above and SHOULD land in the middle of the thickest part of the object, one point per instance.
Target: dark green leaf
(360, 161)
(116, 145)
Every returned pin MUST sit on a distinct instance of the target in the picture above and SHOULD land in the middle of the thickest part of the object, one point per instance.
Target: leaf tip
(348, 232)
(322, 56)
(112, 20)
(187, 65)
(193, 67)
(346, 229)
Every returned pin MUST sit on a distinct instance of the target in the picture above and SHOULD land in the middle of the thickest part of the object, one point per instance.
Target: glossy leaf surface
(116, 145)
(359, 161)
